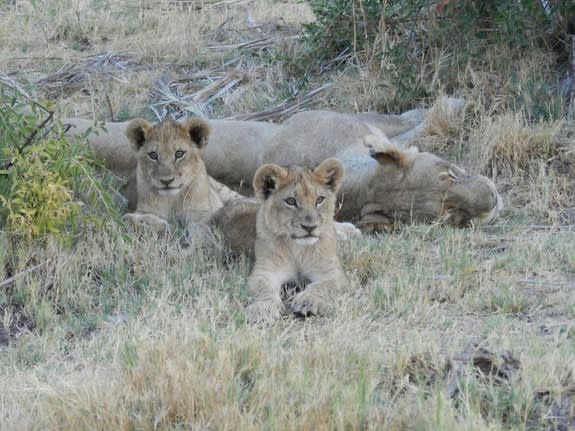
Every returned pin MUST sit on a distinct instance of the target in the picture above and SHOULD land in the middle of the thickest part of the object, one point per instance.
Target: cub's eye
(319, 200)
(179, 154)
(153, 155)
(291, 202)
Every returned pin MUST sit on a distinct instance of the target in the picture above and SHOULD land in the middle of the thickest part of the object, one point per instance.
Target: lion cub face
(168, 153)
(298, 204)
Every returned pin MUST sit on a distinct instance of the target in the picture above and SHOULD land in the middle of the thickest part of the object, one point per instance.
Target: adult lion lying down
(386, 182)
(295, 238)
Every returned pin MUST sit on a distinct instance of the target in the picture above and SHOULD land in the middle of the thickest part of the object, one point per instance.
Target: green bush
(420, 44)
(48, 184)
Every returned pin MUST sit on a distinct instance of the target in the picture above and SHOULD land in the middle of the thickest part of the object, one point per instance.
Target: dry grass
(440, 328)
(155, 338)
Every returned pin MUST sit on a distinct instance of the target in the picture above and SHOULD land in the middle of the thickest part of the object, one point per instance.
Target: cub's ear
(267, 180)
(138, 132)
(198, 130)
(331, 172)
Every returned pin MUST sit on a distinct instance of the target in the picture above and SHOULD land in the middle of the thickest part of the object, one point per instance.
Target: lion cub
(295, 238)
(171, 180)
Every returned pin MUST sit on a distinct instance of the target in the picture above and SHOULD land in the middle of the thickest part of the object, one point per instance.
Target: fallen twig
(253, 44)
(73, 78)
(10, 280)
(284, 108)
(229, 3)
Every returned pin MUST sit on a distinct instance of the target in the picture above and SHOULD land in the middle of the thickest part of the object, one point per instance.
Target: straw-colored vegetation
(440, 328)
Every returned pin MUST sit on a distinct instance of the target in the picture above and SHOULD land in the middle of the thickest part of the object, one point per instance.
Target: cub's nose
(167, 181)
(308, 229)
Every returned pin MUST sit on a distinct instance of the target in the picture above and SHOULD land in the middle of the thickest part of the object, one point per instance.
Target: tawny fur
(236, 221)
(432, 195)
(295, 238)
(424, 187)
(171, 181)
(407, 186)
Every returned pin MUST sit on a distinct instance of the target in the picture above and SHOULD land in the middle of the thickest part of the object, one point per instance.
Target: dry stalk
(73, 78)
(285, 108)
(175, 95)
(256, 44)
(10, 280)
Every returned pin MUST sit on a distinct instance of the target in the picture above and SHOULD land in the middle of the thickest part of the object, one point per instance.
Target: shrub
(45, 179)
(422, 46)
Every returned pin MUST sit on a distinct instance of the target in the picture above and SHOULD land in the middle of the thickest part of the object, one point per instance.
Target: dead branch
(73, 78)
(284, 108)
(10, 280)
(253, 44)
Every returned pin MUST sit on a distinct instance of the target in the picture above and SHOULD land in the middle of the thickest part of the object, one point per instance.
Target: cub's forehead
(168, 130)
(168, 139)
(304, 184)
(160, 145)
(305, 192)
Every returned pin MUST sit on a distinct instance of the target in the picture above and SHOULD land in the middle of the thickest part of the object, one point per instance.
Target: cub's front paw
(263, 311)
(138, 220)
(308, 303)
